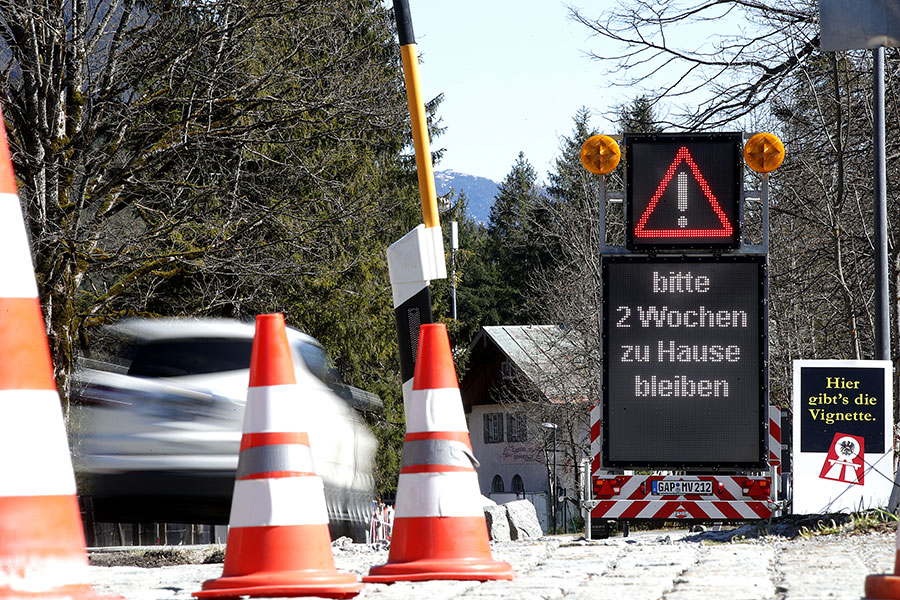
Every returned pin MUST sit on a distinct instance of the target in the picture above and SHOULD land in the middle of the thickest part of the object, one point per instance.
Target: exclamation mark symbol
(682, 198)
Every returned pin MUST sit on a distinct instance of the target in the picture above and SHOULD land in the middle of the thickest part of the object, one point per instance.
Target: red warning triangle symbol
(683, 156)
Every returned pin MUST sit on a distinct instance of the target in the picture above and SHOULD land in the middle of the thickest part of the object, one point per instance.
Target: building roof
(546, 355)
(539, 351)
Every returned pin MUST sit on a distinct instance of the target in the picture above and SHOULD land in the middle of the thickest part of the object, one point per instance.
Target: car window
(318, 362)
(172, 358)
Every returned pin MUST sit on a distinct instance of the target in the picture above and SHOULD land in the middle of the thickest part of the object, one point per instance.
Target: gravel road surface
(669, 565)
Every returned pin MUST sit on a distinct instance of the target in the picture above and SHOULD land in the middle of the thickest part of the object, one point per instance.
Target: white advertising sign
(843, 440)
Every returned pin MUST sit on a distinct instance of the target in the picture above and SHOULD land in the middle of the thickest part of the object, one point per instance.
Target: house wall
(505, 458)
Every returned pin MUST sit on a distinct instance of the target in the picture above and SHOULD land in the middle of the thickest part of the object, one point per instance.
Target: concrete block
(497, 523)
(523, 521)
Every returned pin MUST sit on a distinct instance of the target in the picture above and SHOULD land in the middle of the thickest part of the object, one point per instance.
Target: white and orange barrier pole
(278, 541)
(439, 531)
(418, 257)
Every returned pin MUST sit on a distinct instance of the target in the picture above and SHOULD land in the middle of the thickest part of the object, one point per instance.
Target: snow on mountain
(480, 191)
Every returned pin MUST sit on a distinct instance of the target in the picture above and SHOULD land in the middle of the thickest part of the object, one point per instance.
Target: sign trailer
(685, 340)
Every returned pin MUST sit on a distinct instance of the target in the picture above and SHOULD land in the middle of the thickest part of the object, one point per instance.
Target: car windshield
(172, 358)
(318, 362)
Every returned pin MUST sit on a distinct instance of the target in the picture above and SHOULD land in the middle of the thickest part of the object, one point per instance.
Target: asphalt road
(670, 565)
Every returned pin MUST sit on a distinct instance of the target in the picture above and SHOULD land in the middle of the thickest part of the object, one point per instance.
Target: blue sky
(513, 73)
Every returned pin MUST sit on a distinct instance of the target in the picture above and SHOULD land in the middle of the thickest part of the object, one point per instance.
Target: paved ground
(671, 565)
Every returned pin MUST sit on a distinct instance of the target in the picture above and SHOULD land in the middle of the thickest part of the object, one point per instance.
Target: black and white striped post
(418, 257)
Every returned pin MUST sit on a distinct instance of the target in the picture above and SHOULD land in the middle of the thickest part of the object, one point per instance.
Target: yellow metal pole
(424, 167)
(410, 277)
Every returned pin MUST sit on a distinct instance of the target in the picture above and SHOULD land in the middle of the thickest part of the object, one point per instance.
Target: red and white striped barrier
(631, 497)
(681, 509)
(381, 523)
(775, 449)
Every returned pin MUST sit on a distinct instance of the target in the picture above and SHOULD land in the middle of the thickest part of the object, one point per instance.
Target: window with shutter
(515, 427)
(493, 428)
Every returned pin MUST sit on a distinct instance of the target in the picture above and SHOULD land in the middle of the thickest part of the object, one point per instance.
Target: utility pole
(454, 246)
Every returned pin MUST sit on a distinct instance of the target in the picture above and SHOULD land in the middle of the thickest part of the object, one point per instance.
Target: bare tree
(194, 148)
(565, 378)
(822, 256)
(739, 69)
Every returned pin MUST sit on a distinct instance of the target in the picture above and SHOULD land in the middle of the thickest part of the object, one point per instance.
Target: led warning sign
(684, 356)
(683, 191)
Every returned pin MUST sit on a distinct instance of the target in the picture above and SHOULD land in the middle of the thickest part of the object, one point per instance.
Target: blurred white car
(156, 428)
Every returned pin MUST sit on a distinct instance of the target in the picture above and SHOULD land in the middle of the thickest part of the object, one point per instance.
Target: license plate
(665, 487)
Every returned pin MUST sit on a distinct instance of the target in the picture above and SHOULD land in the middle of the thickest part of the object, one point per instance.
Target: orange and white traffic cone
(42, 549)
(439, 527)
(885, 587)
(278, 541)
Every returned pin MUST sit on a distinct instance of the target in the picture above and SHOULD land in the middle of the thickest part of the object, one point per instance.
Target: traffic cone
(439, 527)
(42, 549)
(278, 542)
(885, 587)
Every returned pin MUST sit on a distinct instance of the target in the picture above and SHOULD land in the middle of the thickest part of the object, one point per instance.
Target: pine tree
(639, 116)
(512, 245)
(570, 181)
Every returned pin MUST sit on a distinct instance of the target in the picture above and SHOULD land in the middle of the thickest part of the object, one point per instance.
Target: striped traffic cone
(42, 551)
(278, 542)
(885, 587)
(439, 527)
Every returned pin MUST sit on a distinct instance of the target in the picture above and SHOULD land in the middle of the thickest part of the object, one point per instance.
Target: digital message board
(684, 346)
(683, 191)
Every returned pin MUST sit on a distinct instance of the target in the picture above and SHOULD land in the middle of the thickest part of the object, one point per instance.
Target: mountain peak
(480, 191)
